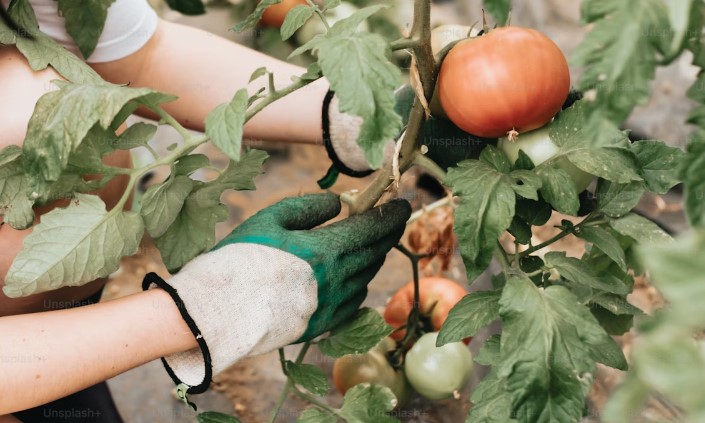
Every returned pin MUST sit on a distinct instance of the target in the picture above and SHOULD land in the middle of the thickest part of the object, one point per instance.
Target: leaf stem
(278, 94)
(430, 166)
(418, 214)
(320, 14)
(404, 43)
(289, 386)
(171, 121)
(315, 401)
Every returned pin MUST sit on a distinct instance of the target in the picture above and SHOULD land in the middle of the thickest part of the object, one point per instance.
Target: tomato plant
(508, 80)
(554, 308)
(438, 372)
(313, 27)
(371, 367)
(436, 297)
(537, 145)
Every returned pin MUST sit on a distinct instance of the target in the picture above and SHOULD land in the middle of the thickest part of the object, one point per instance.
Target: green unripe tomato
(314, 25)
(537, 144)
(438, 372)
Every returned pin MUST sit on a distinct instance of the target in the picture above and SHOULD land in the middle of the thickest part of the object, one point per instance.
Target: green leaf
(620, 54)
(365, 403)
(558, 190)
(491, 401)
(523, 162)
(678, 272)
(520, 230)
(348, 26)
(215, 417)
(499, 9)
(616, 200)
(495, 158)
(137, 135)
(309, 376)
(607, 243)
(193, 231)
(187, 7)
(548, 342)
(330, 4)
(258, 73)
(526, 184)
(251, 20)
(613, 324)
(679, 13)
(692, 172)
(295, 19)
(15, 205)
(85, 21)
(658, 164)
(191, 163)
(62, 119)
(73, 246)
(224, 125)
(535, 213)
(41, 51)
(359, 71)
(579, 272)
(316, 415)
(356, 336)
(640, 229)
(486, 210)
(162, 203)
(469, 315)
(489, 355)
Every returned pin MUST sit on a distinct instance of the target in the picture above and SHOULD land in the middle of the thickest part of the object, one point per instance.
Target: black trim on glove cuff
(153, 278)
(325, 119)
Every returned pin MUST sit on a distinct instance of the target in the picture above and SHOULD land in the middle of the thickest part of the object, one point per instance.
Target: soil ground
(251, 387)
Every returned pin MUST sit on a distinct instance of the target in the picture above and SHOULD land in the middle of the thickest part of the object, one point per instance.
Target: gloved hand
(276, 280)
(447, 144)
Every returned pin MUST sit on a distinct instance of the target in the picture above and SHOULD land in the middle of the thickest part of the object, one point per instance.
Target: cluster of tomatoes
(434, 372)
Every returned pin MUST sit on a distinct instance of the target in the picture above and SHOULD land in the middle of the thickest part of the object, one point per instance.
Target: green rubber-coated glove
(277, 279)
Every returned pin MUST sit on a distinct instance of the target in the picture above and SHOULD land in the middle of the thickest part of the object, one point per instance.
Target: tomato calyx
(513, 135)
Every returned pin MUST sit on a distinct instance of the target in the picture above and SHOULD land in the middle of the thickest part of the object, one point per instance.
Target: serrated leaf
(15, 205)
(137, 135)
(620, 54)
(193, 230)
(309, 376)
(499, 9)
(191, 163)
(613, 324)
(639, 228)
(579, 272)
(85, 21)
(348, 26)
(692, 172)
(558, 190)
(295, 19)
(468, 316)
(535, 213)
(658, 164)
(187, 7)
(491, 401)
(616, 304)
(162, 203)
(258, 73)
(526, 184)
(489, 354)
(365, 403)
(62, 119)
(359, 71)
(73, 246)
(548, 342)
(251, 20)
(615, 199)
(356, 336)
(41, 51)
(495, 158)
(224, 125)
(520, 230)
(607, 243)
(316, 415)
(486, 209)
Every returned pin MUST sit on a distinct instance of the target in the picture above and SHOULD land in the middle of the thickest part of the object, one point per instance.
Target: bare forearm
(46, 356)
(207, 71)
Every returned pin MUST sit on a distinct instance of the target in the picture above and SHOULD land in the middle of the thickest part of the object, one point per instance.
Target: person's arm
(205, 70)
(46, 356)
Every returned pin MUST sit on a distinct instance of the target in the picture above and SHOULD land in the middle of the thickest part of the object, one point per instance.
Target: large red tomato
(436, 297)
(274, 15)
(511, 79)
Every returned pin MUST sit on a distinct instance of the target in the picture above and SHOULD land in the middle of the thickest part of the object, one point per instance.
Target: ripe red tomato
(274, 15)
(436, 297)
(511, 79)
(371, 367)
(438, 372)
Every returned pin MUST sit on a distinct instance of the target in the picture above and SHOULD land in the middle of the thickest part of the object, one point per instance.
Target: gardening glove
(447, 144)
(276, 280)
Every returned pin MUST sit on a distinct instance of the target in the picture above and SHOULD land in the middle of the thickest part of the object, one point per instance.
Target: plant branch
(278, 94)
(430, 166)
(418, 214)
(403, 43)
(171, 121)
(315, 401)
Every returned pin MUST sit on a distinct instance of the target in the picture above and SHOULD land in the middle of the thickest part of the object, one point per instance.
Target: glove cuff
(152, 280)
(340, 134)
